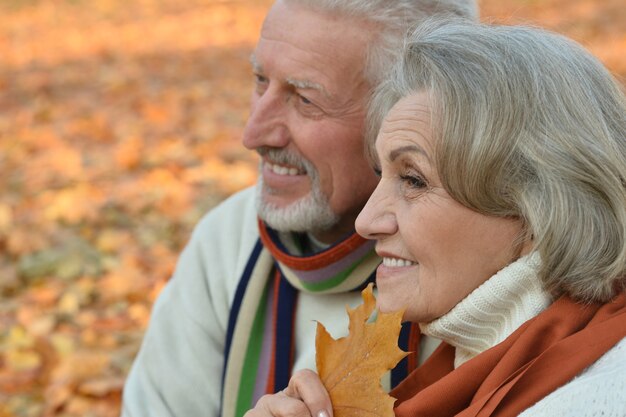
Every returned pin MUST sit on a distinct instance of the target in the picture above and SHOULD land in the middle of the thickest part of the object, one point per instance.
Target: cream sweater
(497, 308)
(178, 370)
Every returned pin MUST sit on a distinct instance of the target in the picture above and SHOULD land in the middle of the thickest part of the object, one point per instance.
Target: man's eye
(308, 108)
(261, 84)
(304, 100)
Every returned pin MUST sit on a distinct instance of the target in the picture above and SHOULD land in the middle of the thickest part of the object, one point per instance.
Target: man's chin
(305, 214)
(280, 201)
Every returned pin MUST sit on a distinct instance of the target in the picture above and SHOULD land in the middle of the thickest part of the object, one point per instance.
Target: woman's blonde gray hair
(526, 124)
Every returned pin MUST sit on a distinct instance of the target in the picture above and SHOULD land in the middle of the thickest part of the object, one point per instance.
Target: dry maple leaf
(351, 367)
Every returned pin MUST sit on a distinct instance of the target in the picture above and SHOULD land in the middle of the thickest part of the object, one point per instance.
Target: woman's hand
(305, 396)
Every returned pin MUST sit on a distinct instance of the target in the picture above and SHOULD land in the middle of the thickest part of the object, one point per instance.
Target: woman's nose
(377, 219)
(267, 124)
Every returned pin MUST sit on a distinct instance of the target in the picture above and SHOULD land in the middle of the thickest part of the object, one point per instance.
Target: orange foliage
(119, 127)
(352, 366)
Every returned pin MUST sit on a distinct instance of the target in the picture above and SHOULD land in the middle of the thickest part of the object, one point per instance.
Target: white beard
(310, 213)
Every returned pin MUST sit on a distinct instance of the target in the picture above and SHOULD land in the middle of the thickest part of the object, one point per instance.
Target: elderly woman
(501, 220)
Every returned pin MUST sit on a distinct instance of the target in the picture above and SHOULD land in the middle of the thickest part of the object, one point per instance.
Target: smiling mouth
(283, 170)
(397, 262)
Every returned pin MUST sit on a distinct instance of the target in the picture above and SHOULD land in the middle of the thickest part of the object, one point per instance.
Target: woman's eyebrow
(394, 154)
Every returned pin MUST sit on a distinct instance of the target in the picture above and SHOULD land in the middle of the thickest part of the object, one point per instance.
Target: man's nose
(267, 124)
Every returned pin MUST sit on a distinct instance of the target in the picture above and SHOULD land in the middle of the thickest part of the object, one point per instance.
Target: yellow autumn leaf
(351, 367)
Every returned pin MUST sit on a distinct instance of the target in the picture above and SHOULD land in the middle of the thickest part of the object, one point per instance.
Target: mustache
(284, 157)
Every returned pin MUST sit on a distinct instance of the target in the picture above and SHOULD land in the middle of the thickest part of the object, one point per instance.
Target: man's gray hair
(392, 20)
(527, 124)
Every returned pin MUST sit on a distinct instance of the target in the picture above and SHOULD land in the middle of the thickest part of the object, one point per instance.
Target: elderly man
(239, 315)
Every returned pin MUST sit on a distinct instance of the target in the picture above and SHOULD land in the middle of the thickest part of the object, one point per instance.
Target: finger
(307, 386)
(279, 405)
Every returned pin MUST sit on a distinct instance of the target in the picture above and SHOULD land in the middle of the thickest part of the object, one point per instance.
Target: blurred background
(119, 127)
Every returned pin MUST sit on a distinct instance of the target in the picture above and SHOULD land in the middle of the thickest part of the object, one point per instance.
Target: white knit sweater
(497, 308)
(179, 368)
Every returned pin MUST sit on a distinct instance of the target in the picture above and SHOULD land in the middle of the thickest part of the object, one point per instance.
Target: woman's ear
(527, 244)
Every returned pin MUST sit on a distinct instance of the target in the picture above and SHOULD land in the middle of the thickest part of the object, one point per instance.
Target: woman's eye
(414, 181)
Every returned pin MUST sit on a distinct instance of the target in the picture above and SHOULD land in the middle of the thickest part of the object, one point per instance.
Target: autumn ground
(119, 127)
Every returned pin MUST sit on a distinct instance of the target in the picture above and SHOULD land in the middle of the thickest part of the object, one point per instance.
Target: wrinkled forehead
(408, 122)
(316, 32)
(395, 114)
(313, 50)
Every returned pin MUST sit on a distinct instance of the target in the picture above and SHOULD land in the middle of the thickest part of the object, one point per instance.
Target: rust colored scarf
(539, 357)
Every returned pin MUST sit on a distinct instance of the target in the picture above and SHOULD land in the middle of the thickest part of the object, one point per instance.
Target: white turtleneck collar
(493, 311)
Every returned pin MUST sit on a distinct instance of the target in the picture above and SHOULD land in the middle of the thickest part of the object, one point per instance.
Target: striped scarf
(259, 351)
